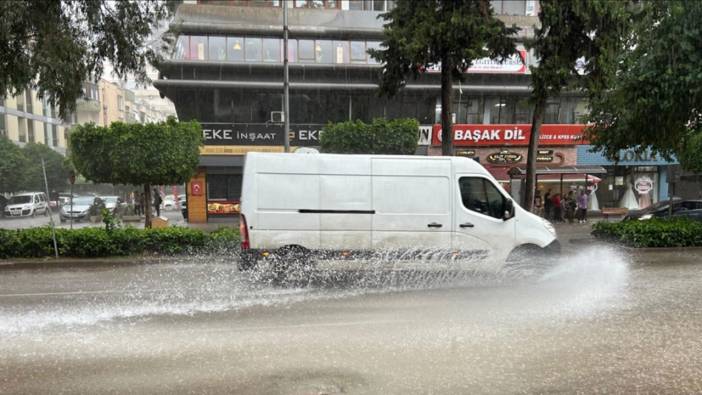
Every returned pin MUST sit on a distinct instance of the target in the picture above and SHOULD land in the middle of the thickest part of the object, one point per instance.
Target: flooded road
(599, 320)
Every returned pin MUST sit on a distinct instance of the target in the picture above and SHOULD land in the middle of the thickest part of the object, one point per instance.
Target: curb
(43, 263)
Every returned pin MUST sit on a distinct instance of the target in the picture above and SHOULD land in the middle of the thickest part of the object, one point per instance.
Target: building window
(19, 99)
(22, 129)
(306, 51)
(253, 49)
(30, 130)
(358, 52)
(510, 7)
(30, 102)
(551, 113)
(198, 48)
(54, 135)
(373, 45)
(323, 51)
(341, 51)
(181, 48)
(120, 103)
(522, 113)
(217, 48)
(292, 50)
(47, 140)
(271, 49)
(3, 125)
(235, 48)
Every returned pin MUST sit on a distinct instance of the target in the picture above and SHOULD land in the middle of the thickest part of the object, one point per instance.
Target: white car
(111, 202)
(27, 204)
(169, 202)
(358, 203)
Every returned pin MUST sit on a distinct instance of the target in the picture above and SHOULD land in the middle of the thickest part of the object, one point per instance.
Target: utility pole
(51, 216)
(286, 82)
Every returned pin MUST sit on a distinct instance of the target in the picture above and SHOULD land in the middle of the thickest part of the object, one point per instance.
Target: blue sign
(627, 157)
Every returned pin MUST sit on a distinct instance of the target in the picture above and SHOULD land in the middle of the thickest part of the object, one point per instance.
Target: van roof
(460, 163)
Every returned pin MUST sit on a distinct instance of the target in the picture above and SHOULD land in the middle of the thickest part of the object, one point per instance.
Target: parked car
(681, 208)
(27, 204)
(111, 202)
(79, 210)
(403, 204)
(169, 202)
(64, 199)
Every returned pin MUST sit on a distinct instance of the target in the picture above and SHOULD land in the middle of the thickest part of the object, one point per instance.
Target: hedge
(99, 242)
(675, 232)
(382, 136)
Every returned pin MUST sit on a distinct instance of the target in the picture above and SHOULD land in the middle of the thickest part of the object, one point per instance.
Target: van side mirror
(509, 209)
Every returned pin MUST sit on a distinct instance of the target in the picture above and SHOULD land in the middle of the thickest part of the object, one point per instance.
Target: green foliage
(57, 169)
(13, 166)
(57, 45)
(676, 232)
(157, 153)
(390, 137)
(656, 98)
(420, 34)
(99, 242)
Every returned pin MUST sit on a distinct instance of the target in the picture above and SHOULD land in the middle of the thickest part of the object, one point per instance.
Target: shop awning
(521, 171)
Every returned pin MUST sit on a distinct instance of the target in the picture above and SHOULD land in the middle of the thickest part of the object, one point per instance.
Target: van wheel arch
(523, 251)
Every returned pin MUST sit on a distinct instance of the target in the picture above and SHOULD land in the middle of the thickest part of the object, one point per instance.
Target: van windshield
(21, 199)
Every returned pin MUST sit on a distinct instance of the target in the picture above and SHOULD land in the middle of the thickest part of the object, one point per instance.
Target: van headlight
(549, 227)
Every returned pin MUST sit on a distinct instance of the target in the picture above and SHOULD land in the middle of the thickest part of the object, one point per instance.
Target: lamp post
(286, 82)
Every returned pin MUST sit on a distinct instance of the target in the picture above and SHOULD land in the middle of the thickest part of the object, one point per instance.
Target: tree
(656, 100)
(13, 166)
(450, 33)
(390, 137)
(56, 45)
(57, 170)
(577, 45)
(150, 154)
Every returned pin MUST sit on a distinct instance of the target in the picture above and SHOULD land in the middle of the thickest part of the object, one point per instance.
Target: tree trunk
(536, 122)
(446, 106)
(147, 205)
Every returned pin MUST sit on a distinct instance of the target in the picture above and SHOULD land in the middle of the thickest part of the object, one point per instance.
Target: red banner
(478, 135)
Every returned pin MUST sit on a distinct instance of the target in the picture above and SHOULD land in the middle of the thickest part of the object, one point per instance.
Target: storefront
(502, 147)
(633, 181)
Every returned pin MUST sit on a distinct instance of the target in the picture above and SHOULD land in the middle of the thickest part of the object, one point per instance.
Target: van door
(412, 204)
(480, 210)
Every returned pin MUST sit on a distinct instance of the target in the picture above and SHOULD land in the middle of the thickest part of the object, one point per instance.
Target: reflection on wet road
(600, 319)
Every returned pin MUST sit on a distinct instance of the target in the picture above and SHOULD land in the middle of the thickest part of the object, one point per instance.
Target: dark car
(681, 208)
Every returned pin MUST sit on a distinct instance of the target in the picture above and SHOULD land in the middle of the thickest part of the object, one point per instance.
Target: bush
(99, 242)
(391, 137)
(676, 232)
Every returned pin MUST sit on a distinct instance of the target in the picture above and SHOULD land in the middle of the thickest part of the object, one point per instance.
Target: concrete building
(26, 118)
(226, 71)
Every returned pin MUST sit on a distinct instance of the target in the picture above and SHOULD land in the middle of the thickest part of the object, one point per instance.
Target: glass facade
(270, 50)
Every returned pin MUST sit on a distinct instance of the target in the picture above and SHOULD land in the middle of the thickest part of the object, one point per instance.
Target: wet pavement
(600, 319)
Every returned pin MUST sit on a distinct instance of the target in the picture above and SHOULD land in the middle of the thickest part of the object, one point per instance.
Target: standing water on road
(47, 298)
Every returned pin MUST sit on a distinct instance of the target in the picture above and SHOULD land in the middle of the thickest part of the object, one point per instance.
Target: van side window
(481, 196)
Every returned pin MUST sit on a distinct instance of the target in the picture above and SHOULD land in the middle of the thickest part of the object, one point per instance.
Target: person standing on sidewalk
(582, 207)
(157, 202)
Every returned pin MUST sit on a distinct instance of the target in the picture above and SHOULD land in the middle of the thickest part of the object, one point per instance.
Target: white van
(27, 204)
(353, 203)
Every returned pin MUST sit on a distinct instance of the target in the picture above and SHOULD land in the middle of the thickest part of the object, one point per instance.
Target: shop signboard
(625, 157)
(514, 64)
(643, 184)
(196, 187)
(504, 158)
(466, 153)
(221, 207)
(259, 134)
(485, 135)
(543, 155)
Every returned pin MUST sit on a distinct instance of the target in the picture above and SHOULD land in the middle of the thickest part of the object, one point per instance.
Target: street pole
(51, 217)
(286, 82)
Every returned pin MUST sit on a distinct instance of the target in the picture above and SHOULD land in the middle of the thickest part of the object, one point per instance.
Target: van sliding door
(412, 204)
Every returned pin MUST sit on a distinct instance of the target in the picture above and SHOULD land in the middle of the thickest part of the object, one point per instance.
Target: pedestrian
(582, 207)
(538, 202)
(137, 203)
(570, 206)
(548, 204)
(557, 208)
(157, 202)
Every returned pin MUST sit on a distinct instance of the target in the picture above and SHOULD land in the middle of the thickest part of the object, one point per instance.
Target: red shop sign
(196, 188)
(478, 135)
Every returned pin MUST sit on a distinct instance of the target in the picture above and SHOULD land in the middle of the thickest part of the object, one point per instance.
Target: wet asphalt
(601, 318)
